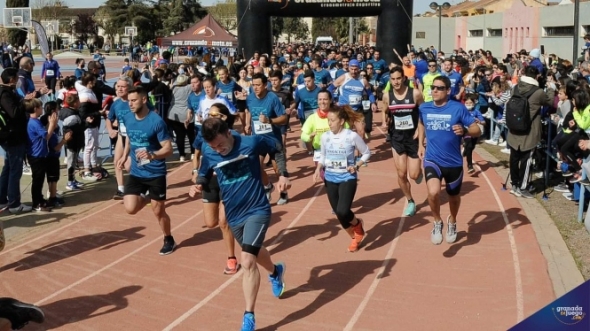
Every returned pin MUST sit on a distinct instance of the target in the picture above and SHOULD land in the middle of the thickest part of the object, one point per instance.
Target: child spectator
(54, 144)
(126, 67)
(38, 150)
(91, 115)
(468, 141)
(72, 122)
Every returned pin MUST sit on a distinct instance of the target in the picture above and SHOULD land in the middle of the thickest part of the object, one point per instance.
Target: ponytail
(347, 114)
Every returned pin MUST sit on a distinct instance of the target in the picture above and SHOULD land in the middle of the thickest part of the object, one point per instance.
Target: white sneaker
(505, 151)
(182, 159)
(27, 170)
(20, 209)
(491, 142)
(502, 144)
(89, 177)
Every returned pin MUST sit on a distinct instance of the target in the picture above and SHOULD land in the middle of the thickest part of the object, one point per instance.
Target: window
(475, 33)
(420, 35)
(558, 31)
(494, 32)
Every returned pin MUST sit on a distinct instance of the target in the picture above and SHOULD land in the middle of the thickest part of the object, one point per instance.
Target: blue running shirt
(270, 105)
(307, 99)
(443, 146)
(227, 90)
(351, 93)
(146, 133)
(238, 174)
(118, 110)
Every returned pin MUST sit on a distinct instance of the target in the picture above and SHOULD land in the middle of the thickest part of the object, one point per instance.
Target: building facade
(504, 26)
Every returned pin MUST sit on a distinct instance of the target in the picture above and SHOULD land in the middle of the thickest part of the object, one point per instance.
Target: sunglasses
(432, 66)
(438, 88)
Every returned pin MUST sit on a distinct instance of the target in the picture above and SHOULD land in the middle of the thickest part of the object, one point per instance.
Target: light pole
(435, 6)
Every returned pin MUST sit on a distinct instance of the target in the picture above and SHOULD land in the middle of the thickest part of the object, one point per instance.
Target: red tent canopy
(207, 32)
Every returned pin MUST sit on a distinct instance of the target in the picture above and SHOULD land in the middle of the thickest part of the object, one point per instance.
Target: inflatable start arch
(394, 27)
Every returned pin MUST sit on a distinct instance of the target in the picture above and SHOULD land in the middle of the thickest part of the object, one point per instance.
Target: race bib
(228, 95)
(317, 155)
(336, 163)
(122, 129)
(404, 123)
(366, 104)
(49, 73)
(354, 99)
(262, 128)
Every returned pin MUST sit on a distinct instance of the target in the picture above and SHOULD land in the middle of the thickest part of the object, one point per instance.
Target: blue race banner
(568, 313)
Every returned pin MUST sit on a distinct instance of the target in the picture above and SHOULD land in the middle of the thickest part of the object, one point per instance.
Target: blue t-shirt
(308, 100)
(239, 181)
(227, 90)
(456, 82)
(37, 145)
(443, 146)
(421, 68)
(146, 133)
(270, 105)
(194, 100)
(380, 65)
(322, 77)
(118, 110)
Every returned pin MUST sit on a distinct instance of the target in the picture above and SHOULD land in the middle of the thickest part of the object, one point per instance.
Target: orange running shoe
(232, 266)
(359, 234)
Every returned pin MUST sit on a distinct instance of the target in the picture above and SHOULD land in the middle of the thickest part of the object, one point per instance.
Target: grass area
(564, 214)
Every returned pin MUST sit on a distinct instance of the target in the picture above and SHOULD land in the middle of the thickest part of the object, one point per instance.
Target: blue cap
(353, 63)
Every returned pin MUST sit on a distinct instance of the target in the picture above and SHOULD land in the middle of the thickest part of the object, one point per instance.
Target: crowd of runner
(236, 116)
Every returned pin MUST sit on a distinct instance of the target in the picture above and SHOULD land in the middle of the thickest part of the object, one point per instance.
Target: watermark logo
(569, 315)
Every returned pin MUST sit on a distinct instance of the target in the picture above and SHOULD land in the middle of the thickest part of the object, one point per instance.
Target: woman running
(213, 209)
(337, 160)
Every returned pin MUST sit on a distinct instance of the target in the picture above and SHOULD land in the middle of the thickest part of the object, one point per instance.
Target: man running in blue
(235, 161)
(306, 96)
(444, 122)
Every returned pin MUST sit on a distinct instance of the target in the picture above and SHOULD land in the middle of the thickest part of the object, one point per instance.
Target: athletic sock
(121, 188)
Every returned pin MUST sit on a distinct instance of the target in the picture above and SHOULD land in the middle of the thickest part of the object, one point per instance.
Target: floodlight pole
(577, 32)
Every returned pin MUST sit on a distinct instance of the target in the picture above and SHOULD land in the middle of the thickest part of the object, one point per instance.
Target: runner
(316, 125)
(119, 109)
(213, 209)
(150, 143)
(403, 102)
(446, 123)
(425, 82)
(264, 116)
(338, 161)
(356, 92)
(235, 160)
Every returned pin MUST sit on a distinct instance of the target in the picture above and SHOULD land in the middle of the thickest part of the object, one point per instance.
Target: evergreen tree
(17, 37)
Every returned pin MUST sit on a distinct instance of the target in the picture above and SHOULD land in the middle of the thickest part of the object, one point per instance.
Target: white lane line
(32, 240)
(110, 265)
(358, 312)
(515, 260)
(235, 277)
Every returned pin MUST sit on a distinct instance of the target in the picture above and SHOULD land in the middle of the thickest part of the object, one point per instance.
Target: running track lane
(398, 279)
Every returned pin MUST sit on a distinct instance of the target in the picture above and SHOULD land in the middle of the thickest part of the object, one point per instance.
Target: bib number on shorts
(354, 100)
(262, 128)
(317, 155)
(366, 105)
(404, 123)
(336, 163)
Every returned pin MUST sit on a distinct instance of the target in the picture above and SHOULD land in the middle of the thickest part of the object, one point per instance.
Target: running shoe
(249, 323)
(89, 177)
(19, 313)
(284, 198)
(359, 234)
(232, 266)
(73, 186)
(118, 195)
(451, 231)
(27, 170)
(562, 188)
(470, 170)
(169, 247)
(268, 191)
(278, 282)
(515, 191)
(22, 208)
(410, 209)
(436, 235)
(526, 194)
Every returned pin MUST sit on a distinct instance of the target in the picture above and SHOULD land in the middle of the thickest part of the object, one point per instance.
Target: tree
(104, 21)
(17, 37)
(296, 27)
(47, 9)
(277, 25)
(86, 28)
(322, 27)
(226, 14)
(175, 21)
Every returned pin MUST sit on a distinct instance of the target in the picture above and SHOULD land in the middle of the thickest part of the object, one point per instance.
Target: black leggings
(181, 133)
(469, 146)
(38, 170)
(568, 146)
(341, 196)
(520, 167)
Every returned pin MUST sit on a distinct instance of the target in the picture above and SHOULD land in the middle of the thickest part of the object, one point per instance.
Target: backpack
(518, 113)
